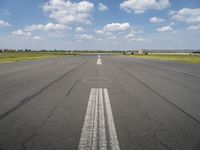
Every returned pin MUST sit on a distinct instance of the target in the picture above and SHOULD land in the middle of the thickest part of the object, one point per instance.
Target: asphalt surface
(47, 104)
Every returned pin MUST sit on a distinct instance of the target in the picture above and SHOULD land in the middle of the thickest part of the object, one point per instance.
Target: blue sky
(100, 24)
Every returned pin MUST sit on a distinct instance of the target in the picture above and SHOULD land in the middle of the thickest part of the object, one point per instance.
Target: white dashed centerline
(98, 120)
(99, 62)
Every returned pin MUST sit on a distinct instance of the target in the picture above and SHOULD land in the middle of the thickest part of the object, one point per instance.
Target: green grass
(23, 56)
(190, 59)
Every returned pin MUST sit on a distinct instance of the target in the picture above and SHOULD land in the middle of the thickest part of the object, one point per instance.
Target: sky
(100, 24)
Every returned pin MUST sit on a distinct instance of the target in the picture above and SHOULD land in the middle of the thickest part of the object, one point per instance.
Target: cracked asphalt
(155, 104)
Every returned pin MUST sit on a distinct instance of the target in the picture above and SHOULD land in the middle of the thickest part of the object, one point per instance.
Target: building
(141, 51)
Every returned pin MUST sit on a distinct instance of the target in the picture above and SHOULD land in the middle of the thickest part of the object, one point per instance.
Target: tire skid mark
(160, 95)
(28, 98)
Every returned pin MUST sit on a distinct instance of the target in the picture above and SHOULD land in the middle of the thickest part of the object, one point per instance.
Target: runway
(99, 102)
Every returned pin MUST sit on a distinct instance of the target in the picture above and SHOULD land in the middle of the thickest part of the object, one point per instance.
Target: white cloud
(37, 38)
(57, 34)
(129, 36)
(141, 40)
(156, 20)
(172, 24)
(109, 29)
(111, 37)
(171, 12)
(116, 27)
(140, 6)
(119, 32)
(46, 27)
(190, 16)
(165, 29)
(21, 33)
(138, 39)
(80, 30)
(194, 27)
(4, 24)
(132, 37)
(66, 12)
(102, 7)
(4, 12)
(99, 31)
(85, 37)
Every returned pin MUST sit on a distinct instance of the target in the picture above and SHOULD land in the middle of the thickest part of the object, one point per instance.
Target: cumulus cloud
(119, 32)
(137, 39)
(129, 36)
(190, 16)
(85, 37)
(37, 38)
(102, 7)
(116, 27)
(80, 29)
(4, 24)
(99, 31)
(111, 37)
(66, 12)
(21, 33)
(156, 20)
(46, 27)
(140, 6)
(194, 27)
(165, 29)
(140, 39)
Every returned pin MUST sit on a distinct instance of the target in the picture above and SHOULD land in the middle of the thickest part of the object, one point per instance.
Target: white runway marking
(99, 56)
(113, 139)
(99, 62)
(98, 120)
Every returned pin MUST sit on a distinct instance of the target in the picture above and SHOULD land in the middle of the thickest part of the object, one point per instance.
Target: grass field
(190, 59)
(23, 56)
